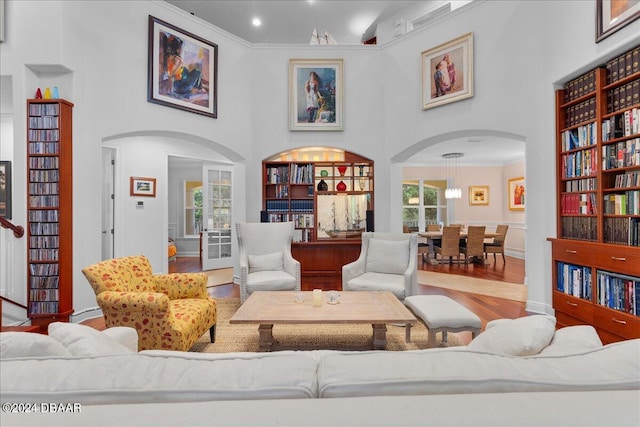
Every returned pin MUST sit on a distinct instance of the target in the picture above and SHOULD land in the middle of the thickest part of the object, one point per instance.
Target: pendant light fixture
(452, 192)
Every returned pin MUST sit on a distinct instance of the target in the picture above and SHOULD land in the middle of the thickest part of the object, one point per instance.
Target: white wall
(101, 46)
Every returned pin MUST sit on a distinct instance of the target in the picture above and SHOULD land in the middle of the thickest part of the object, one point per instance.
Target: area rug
(492, 288)
(235, 338)
(222, 276)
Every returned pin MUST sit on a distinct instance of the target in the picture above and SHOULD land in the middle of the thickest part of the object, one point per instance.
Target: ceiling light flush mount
(452, 192)
(256, 22)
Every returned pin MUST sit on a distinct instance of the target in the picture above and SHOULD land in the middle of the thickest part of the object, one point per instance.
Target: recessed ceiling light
(256, 22)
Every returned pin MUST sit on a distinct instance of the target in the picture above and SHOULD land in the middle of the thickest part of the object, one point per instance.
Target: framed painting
(478, 195)
(447, 72)
(183, 69)
(145, 187)
(5, 189)
(613, 15)
(315, 94)
(515, 191)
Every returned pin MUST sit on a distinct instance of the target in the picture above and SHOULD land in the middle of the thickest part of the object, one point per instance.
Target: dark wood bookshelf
(596, 254)
(49, 211)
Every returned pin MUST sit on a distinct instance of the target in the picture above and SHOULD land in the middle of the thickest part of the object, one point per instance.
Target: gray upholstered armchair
(266, 263)
(387, 262)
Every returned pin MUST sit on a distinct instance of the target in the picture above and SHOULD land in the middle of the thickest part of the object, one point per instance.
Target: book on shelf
(622, 230)
(619, 292)
(574, 280)
(621, 154)
(623, 65)
(578, 204)
(579, 227)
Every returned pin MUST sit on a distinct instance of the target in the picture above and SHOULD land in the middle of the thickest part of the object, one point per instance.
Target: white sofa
(567, 381)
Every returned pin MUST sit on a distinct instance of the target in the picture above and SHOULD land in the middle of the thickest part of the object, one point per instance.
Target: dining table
(431, 236)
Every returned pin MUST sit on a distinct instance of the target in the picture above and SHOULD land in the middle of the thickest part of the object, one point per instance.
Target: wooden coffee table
(278, 307)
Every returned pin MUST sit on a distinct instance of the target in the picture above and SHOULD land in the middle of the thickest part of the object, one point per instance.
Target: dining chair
(433, 227)
(497, 246)
(473, 246)
(450, 244)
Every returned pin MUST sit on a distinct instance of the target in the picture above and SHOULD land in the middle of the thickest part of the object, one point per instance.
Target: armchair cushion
(83, 340)
(267, 262)
(387, 256)
(181, 285)
(372, 281)
(270, 281)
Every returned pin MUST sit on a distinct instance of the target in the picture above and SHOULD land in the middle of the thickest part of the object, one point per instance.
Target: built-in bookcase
(596, 255)
(49, 211)
(328, 194)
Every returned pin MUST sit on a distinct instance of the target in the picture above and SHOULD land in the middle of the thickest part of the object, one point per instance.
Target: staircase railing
(18, 230)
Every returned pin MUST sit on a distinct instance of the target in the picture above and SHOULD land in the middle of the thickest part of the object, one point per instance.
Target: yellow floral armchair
(169, 311)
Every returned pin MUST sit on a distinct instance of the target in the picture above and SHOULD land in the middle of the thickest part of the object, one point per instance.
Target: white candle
(317, 297)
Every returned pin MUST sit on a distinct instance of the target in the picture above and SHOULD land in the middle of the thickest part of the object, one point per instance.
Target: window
(192, 208)
(423, 203)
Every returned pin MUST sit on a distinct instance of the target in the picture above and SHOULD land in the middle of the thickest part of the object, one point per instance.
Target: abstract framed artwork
(183, 69)
(315, 94)
(144, 187)
(5, 189)
(478, 195)
(447, 72)
(515, 192)
(613, 15)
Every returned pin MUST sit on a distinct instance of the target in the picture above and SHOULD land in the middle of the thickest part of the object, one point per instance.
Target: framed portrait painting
(516, 193)
(447, 72)
(182, 69)
(5, 189)
(315, 94)
(478, 195)
(142, 187)
(613, 15)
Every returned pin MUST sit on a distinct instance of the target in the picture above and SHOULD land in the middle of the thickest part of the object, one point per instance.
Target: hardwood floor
(485, 307)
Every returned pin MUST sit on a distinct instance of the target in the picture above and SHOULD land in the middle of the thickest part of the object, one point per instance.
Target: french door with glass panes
(218, 218)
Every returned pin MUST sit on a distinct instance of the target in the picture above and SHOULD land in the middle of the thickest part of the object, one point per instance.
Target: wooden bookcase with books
(328, 194)
(596, 256)
(49, 211)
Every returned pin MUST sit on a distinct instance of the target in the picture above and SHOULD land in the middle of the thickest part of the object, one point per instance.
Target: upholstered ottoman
(442, 314)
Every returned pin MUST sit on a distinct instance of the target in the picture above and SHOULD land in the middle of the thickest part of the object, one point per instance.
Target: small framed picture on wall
(478, 195)
(516, 194)
(142, 187)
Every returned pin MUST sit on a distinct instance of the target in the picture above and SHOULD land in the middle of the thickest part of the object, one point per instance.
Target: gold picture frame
(478, 195)
(515, 193)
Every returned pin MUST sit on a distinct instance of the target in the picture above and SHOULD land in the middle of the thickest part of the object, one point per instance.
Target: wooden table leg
(379, 336)
(266, 337)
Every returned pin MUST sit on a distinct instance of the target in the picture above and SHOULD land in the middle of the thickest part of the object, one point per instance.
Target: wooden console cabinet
(49, 211)
(596, 256)
(328, 194)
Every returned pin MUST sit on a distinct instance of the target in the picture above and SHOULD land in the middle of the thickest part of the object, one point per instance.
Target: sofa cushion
(387, 256)
(267, 262)
(572, 340)
(445, 371)
(516, 337)
(159, 377)
(83, 340)
(28, 344)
